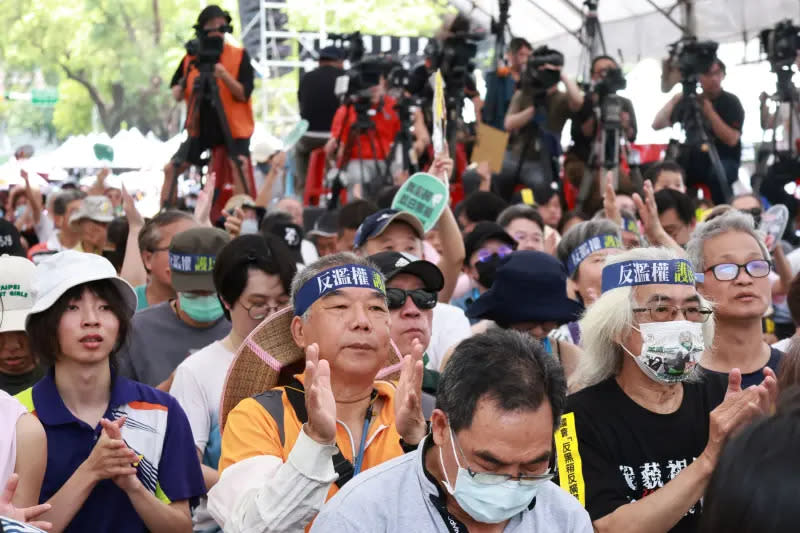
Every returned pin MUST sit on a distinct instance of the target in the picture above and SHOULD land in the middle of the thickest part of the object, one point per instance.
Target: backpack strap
(272, 402)
(296, 395)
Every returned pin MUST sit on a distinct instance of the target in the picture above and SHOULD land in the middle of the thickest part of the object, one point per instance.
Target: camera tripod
(205, 89)
(363, 125)
(403, 141)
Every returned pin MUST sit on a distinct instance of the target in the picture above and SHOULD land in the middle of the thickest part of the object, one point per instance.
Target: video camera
(693, 57)
(206, 50)
(781, 44)
(455, 57)
(541, 79)
(350, 43)
(610, 83)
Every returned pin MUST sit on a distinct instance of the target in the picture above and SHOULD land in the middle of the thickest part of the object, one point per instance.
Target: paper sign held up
(424, 196)
(491, 147)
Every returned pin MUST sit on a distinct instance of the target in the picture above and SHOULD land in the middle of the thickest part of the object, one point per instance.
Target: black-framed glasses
(667, 313)
(754, 212)
(758, 268)
(396, 298)
(492, 478)
(262, 311)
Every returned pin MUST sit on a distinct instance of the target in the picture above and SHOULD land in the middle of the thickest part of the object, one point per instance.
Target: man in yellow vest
(234, 77)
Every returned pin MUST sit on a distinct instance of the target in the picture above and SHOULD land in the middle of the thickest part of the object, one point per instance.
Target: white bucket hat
(60, 272)
(16, 301)
(97, 208)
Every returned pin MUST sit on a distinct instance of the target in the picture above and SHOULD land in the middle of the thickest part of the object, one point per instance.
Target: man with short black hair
(486, 464)
(478, 207)
(676, 214)
(351, 215)
(666, 175)
(501, 84)
(65, 237)
(724, 113)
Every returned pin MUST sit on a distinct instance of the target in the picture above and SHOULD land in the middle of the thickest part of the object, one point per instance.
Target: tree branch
(91, 89)
(156, 23)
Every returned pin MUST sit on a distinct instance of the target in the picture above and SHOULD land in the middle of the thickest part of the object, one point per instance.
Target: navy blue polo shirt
(156, 428)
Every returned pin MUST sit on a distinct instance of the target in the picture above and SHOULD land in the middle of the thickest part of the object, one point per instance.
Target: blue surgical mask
(200, 308)
(488, 504)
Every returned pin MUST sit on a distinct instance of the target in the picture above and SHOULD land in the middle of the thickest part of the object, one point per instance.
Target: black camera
(352, 44)
(611, 82)
(206, 50)
(693, 57)
(781, 44)
(541, 79)
(455, 57)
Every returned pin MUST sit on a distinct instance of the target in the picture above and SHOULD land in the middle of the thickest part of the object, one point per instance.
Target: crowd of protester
(519, 367)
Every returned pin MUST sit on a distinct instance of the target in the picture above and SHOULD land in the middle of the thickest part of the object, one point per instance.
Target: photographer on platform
(504, 82)
(606, 79)
(724, 115)
(535, 119)
(234, 76)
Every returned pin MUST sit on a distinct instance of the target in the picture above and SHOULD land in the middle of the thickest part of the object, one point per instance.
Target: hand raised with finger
(409, 418)
(320, 403)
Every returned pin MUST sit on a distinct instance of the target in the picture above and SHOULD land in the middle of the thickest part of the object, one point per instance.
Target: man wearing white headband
(638, 444)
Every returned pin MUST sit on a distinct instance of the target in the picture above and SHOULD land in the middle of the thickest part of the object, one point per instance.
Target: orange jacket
(239, 114)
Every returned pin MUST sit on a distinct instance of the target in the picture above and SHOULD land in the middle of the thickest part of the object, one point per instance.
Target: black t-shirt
(318, 103)
(210, 130)
(753, 378)
(582, 145)
(730, 110)
(625, 452)
(16, 383)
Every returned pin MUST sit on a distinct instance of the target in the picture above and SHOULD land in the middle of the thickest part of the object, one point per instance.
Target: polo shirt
(156, 429)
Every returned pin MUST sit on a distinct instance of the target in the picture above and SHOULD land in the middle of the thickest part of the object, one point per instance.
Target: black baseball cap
(327, 225)
(9, 239)
(483, 232)
(331, 53)
(394, 263)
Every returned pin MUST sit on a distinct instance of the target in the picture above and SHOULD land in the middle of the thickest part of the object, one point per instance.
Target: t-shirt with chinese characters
(612, 451)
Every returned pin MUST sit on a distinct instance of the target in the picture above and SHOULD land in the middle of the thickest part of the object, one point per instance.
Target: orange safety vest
(239, 114)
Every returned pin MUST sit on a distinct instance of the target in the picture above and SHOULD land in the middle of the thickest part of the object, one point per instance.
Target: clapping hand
(320, 403)
(409, 419)
(126, 480)
(25, 514)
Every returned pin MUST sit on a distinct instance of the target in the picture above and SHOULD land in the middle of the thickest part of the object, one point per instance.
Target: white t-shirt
(450, 326)
(197, 386)
(10, 411)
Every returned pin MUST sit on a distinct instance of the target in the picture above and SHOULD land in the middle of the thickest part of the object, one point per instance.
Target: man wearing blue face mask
(165, 334)
(486, 464)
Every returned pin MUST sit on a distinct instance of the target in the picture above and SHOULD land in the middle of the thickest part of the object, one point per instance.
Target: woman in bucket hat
(121, 455)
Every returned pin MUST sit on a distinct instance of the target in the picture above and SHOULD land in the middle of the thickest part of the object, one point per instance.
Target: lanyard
(360, 456)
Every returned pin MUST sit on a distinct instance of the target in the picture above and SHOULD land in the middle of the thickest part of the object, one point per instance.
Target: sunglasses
(396, 298)
(484, 254)
(758, 268)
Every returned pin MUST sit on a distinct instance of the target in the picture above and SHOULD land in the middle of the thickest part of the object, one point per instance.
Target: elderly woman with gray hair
(638, 443)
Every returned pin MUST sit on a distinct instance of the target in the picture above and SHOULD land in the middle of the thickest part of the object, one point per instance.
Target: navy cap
(377, 222)
(331, 53)
(529, 286)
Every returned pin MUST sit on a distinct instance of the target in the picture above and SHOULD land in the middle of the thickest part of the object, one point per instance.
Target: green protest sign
(103, 152)
(424, 196)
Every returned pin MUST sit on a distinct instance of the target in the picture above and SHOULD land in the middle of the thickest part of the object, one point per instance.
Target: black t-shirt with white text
(613, 452)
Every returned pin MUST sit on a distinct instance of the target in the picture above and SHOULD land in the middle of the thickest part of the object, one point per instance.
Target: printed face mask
(670, 350)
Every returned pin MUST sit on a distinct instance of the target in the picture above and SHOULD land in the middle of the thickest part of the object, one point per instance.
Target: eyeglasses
(758, 268)
(262, 311)
(396, 298)
(668, 313)
(755, 212)
(484, 254)
(491, 478)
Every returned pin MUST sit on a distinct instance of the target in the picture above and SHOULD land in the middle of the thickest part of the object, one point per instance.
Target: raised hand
(408, 416)
(442, 166)
(110, 456)
(135, 220)
(233, 223)
(320, 403)
(25, 514)
(610, 201)
(202, 209)
(648, 214)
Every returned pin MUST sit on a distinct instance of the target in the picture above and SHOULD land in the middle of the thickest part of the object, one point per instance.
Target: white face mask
(670, 350)
(488, 504)
(249, 226)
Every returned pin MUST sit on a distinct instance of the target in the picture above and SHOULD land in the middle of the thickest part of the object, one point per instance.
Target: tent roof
(634, 29)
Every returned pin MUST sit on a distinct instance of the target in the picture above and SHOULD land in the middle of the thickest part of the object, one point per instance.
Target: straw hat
(269, 358)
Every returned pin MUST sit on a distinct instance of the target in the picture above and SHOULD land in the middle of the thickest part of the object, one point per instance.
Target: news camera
(542, 79)
(693, 57)
(455, 57)
(781, 44)
(206, 50)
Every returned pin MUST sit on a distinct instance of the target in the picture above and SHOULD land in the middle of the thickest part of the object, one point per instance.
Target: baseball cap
(375, 224)
(16, 274)
(331, 53)
(394, 263)
(9, 239)
(97, 208)
(58, 273)
(483, 232)
(192, 255)
(327, 225)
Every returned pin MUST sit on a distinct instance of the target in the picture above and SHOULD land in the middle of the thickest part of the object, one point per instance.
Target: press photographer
(781, 45)
(606, 80)
(715, 121)
(535, 119)
(215, 79)
(503, 82)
